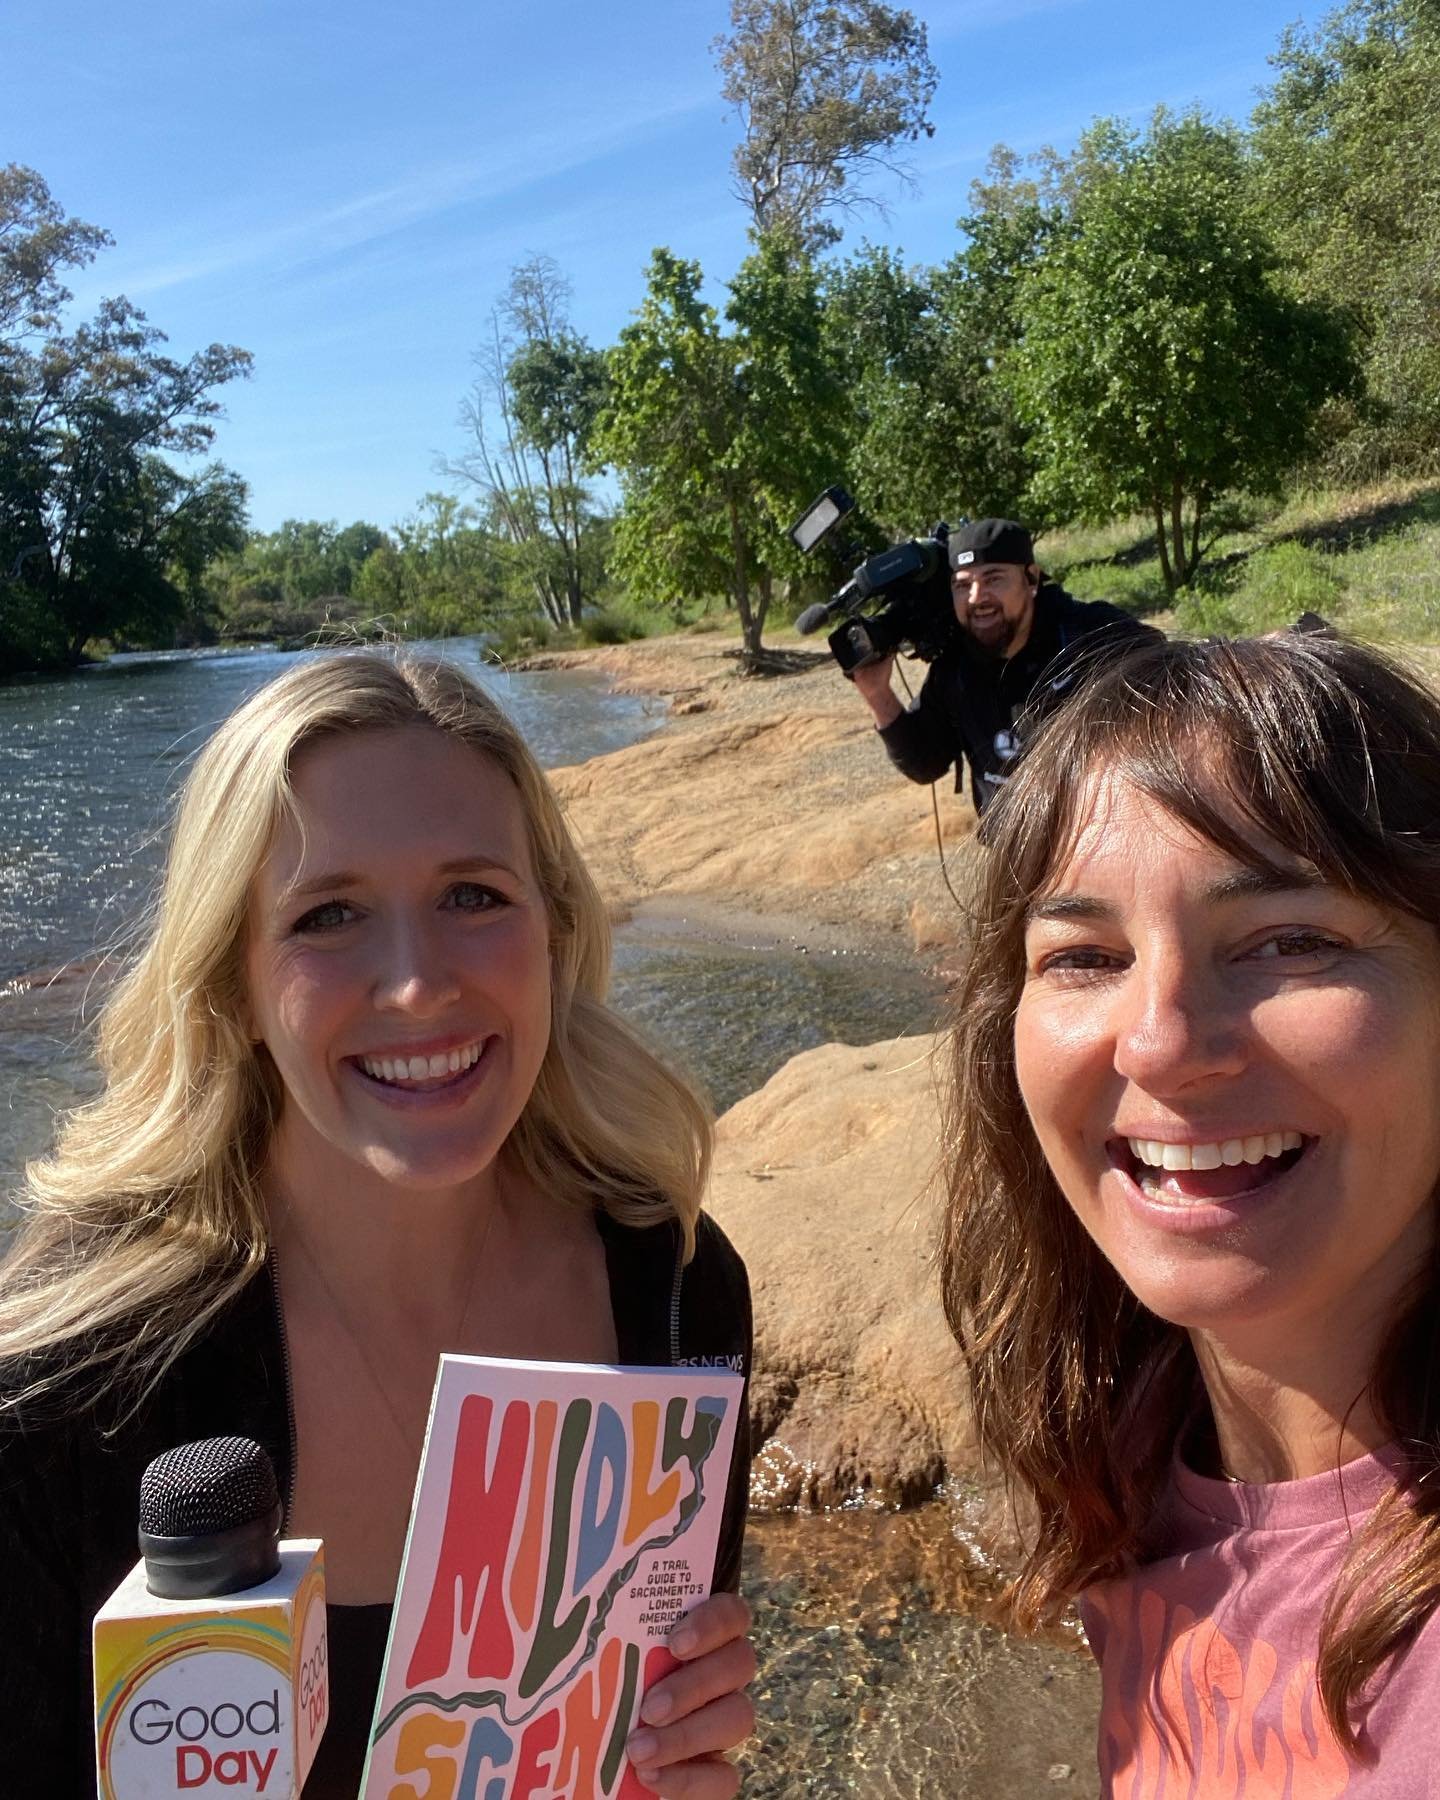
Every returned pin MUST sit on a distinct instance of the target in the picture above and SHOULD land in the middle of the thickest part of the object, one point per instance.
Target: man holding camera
(1021, 638)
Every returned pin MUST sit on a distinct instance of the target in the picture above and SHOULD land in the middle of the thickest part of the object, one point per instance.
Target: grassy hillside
(1366, 559)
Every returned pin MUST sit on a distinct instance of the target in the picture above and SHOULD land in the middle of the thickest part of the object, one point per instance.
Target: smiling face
(397, 960)
(995, 603)
(1233, 1079)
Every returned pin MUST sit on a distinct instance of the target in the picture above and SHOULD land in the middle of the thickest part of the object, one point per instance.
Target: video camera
(911, 580)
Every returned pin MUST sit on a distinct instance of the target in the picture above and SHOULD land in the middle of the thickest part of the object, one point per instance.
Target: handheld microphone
(210, 1657)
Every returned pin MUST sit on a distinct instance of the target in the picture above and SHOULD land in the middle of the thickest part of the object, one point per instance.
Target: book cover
(565, 1515)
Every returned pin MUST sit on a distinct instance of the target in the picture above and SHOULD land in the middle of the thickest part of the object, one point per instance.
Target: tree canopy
(720, 437)
(1162, 361)
(529, 418)
(827, 92)
(1346, 149)
(100, 534)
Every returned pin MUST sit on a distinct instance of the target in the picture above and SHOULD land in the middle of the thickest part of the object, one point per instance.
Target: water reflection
(880, 1677)
(732, 1014)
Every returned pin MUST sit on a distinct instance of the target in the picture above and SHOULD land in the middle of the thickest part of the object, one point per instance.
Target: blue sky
(343, 189)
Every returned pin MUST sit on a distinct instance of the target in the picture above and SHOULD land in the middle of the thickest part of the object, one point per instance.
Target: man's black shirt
(971, 699)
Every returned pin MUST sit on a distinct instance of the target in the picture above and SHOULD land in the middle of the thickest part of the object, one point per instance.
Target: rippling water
(880, 1677)
(88, 762)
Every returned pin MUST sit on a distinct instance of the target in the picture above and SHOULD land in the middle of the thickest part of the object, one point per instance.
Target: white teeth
(1232, 1151)
(421, 1068)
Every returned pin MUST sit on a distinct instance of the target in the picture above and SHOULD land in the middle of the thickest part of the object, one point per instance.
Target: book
(565, 1515)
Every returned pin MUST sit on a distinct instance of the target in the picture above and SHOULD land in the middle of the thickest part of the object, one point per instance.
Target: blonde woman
(363, 1102)
(1194, 1162)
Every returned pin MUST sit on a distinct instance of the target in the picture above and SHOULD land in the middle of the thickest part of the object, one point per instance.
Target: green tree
(1162, 362)
(529, 418)
(37, 242)
(448, 575)
(291, 582)
(720, 436)
(1347, 146)
(826, 91)
(935, 430)
(100, 534)
(90, 505)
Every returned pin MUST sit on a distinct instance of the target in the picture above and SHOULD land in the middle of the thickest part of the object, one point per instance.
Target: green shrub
(518, 634)
(610, 628)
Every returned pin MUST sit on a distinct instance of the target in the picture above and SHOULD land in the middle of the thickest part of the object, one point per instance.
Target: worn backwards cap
(990, 541)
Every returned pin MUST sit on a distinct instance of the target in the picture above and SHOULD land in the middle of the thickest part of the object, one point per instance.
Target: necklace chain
(455, 1337)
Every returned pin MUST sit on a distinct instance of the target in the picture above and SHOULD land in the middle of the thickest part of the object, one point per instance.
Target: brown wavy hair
(1332, 751)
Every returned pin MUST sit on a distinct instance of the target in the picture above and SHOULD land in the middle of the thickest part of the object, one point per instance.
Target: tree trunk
(766, 583)
(1199, 503)
(749, 625)
(1166, 572)
(1177, 528)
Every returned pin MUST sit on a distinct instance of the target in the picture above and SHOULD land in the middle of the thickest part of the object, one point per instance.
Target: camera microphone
(813, 618)
(210, 1657)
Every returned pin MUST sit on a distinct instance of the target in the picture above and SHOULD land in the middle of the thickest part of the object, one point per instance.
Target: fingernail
(642, 1746)
(656, 1708)
(683, 1640)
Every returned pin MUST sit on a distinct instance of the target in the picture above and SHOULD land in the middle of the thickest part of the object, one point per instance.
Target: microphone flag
(211, 1657)
(213, 1696)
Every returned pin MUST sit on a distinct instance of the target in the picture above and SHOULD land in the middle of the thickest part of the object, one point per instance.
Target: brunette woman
(1194, 1158)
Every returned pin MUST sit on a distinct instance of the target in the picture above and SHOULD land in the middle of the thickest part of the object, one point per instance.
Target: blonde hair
(1079, 1390)
(147, 1219)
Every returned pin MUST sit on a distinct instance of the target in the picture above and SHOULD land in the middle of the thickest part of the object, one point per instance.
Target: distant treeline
(1164, 321)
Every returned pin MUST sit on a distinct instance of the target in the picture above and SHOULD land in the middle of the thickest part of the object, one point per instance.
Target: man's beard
(1000, 636)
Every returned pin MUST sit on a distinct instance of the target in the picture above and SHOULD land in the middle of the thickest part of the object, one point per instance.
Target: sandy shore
(765, 797)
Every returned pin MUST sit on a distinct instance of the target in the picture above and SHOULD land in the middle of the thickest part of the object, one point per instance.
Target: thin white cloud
(421, 194)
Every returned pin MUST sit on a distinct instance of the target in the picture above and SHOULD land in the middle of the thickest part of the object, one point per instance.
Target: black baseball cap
(990, 541)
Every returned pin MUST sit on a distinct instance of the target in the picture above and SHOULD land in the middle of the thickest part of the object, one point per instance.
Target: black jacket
(970, 701)
(69, 1494)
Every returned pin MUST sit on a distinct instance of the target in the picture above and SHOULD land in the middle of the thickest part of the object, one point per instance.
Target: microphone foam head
(214, 1485)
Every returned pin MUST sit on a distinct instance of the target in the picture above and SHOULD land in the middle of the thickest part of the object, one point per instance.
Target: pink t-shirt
(1207, 1653)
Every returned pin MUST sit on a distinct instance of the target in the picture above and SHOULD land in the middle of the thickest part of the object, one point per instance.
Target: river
(878, 1677)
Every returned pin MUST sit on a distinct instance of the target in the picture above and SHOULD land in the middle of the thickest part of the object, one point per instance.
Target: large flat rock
(825, 1181)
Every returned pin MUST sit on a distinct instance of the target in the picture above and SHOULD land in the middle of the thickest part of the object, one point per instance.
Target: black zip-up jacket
(69, 1498)
(970, 701)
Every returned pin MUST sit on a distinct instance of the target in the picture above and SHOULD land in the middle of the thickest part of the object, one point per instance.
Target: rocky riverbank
(764, 795)
(769, 798)
(767, 802)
